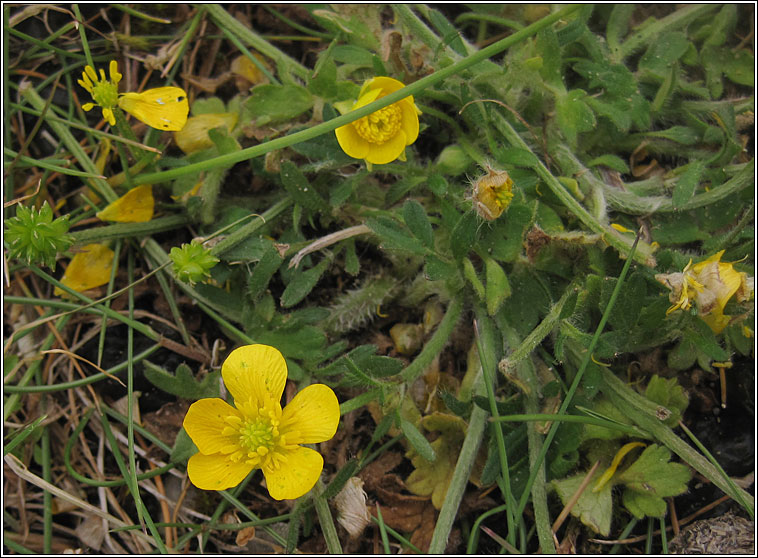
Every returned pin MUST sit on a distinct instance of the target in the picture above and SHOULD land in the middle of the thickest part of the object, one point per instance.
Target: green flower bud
(35, 237)
(453, 161)
(192, 262)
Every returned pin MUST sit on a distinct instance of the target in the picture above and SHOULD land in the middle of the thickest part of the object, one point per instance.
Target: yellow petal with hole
(164, 108)
(205, 422)
(255, 372)
(314, 413)
(216, 472)
(136, 206)
(295, 477)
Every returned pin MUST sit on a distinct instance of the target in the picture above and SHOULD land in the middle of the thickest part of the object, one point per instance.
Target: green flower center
(255, 437)
(380, 126)
(258, 435)
(105, 94)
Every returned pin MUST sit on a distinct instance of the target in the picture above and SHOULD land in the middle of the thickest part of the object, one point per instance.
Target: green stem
(225, 20)
(436, 343)
(359, 401)
(93, 482)
(486, 348)
(145, 330)
(330, 125)
(462, 472)
(10, 404)
(250, 228)
(643, 412)
(539, 494)
(578, 378)
(613, 237)
(678, 19)
(100, 185)
(538, 334)
(82, 33)
(42, 163)
(50, 388)
(625, 428)
(628, 202)
(325, 519)
(129, 230)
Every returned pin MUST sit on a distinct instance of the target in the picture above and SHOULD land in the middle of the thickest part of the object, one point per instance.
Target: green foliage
(182, 383)
(271, 103)
(669, 394)
(35, 237)
(417, 440)
(611, 114)
(650, 479)
(594, 509)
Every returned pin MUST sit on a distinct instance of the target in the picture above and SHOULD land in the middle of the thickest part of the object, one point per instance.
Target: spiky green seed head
(35, 237)
(192, 262)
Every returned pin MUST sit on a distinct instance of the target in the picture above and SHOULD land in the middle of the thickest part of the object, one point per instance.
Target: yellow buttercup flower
(710, 284)
(104, 92)
(136, 206)
(256, 432)
(165, 108)
(89, 268)
(382, 136)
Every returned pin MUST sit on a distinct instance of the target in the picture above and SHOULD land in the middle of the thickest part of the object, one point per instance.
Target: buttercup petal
(164, 108)
(314, 413)
(409, 121)
(367, 98)
(382, 153)
(115, 75)
(90, 73)
(109, 117)
(351, 142)
(387, 85)
(86, 83)
(86, 107)
(88, 269)
(216, 472)
(296, 477)
(136, 206)
(204, 422)
(256, 372)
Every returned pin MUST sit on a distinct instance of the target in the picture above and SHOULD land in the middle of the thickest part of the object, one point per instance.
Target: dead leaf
(245, 535)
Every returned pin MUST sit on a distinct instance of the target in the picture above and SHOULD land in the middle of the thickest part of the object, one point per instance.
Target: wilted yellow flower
(256, 432)
(165, 108)
(710, 284)
(492, 193)
(104, 92)
(89, 268)
(194, 136)
(136, 206)
(382, 136)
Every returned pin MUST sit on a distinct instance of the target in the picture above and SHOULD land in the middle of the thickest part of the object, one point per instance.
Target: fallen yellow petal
(88, 269)
(164, 108)
(136, 206)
